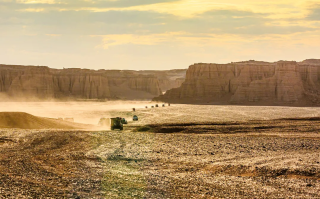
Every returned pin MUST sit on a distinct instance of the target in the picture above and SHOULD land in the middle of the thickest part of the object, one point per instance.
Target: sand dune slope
(27, 121)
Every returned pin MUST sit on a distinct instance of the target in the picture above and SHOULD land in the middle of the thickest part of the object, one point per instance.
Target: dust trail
(86, 112)
(23, 120)
(90, 112)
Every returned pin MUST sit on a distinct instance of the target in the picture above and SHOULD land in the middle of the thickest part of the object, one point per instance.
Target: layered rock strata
(168, 79)
(250, 82)
(43, 82)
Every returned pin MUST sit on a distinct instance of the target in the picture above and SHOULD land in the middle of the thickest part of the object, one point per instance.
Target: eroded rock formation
(43, 82)
(250, 82)
(168, 79)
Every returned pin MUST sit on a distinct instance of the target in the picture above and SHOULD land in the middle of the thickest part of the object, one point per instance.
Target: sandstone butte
(45, 83)
(250, 82)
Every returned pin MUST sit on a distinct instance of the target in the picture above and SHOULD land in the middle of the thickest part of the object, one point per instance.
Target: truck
(116, 123)
(135, 118)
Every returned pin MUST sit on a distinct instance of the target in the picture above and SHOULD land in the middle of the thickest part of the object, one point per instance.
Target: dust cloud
(86, 112)
(90, 112)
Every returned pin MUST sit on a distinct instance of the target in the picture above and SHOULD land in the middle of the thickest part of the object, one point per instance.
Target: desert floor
(181, 151)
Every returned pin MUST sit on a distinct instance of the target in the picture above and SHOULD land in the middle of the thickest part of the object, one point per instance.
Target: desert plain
(177, 151)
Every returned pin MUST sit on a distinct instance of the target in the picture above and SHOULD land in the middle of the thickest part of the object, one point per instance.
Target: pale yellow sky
(156, 34)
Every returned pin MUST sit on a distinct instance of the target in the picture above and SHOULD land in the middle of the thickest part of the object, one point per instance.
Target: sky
(156, 34)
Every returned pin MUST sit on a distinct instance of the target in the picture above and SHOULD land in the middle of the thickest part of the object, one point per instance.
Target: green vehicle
(116, 123)
(135, 118)
(124, 121)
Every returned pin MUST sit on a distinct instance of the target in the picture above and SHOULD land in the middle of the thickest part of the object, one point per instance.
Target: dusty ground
(180, 151)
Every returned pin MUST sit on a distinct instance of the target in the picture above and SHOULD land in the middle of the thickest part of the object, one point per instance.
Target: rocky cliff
(168, 79)
(250, 82)
(43, 82)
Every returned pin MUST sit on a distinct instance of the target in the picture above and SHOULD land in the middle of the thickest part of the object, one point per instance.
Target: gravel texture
(254, 156)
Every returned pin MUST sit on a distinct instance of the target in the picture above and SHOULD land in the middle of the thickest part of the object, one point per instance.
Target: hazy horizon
(156, 34)
(155, 69)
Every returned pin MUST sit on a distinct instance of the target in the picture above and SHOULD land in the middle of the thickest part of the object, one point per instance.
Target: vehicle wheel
(121, 129)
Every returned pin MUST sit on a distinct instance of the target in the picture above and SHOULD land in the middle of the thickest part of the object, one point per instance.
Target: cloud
(36, 1)
(72, 5)
(186, 39)
(33, 10)
(53, 35)
(147, 22)
(188, 30)
(126, 3)
(151, 39)
(314, 14)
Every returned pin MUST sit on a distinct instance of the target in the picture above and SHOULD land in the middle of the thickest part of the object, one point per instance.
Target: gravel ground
(48, 164)
(183, 151)
(251, 165)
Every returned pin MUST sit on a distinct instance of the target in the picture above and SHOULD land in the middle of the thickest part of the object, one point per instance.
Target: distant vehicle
(133, 109)
(124, 121)
(116, 123)
(135, 118)
(152, 106)
(157, 105)
(146, 106)
(168, 104)
(163, 105)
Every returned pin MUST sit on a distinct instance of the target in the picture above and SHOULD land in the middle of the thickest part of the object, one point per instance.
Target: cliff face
(249, 83)
(43, 82)
(129, 85)
(167, 84)
(80, 84)
(168, 79)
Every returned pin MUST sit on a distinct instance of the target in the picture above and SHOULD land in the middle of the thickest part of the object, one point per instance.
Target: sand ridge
(24, 120)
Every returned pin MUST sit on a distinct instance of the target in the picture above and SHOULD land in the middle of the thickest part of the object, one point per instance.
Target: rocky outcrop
(167, 84)
(132, 85)
(80, 84)
(43, 82)
(249, 82)
(168, 79)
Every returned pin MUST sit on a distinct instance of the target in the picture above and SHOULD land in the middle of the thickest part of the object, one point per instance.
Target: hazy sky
(156, 34)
